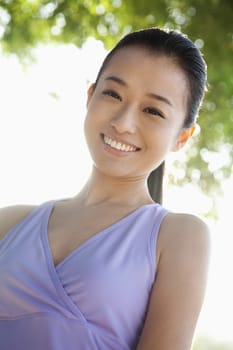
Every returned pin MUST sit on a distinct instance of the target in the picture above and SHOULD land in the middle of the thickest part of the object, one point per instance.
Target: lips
(118, 145)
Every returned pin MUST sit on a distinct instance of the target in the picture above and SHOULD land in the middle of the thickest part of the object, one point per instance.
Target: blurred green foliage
(24, 23)
(203, 343)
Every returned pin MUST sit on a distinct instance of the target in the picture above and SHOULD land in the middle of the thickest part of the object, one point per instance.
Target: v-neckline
(87, 242)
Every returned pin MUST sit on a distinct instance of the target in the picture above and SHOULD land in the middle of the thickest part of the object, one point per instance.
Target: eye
(112, 94)
(154, 111)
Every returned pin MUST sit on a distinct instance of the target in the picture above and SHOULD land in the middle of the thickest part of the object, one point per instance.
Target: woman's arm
(178, 292)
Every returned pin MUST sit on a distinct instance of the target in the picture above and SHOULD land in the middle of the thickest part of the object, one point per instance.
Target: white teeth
(118, 145)
(113, 144)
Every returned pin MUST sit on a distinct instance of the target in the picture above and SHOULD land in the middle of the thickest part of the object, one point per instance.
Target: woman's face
(135, 113)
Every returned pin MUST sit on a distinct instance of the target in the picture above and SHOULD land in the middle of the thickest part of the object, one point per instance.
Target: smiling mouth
(119, 145)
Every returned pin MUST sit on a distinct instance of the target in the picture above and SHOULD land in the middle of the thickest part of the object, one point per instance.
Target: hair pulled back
(185, 54)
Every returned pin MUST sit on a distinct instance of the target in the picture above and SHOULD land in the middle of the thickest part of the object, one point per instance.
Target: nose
(125, 121)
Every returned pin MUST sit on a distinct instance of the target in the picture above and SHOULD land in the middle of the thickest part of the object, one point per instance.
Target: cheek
(93, 123)
(88, 127)
(91, 116)
(94, 111)
(162, 139)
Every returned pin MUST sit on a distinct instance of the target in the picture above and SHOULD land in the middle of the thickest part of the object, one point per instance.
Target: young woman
(111, 269)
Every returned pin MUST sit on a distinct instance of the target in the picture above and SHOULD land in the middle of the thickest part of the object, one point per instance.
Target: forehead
(135, 59)
(149, 71)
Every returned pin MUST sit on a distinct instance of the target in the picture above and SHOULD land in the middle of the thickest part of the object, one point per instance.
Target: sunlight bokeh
(44, 156)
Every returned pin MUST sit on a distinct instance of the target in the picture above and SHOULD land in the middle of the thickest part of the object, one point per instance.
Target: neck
(101, 188)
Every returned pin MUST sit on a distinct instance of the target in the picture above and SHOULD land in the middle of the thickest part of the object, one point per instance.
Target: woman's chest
(69, 231)
(110, 273)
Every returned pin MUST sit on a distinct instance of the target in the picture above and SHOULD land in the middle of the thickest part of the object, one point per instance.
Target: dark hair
(183, 51)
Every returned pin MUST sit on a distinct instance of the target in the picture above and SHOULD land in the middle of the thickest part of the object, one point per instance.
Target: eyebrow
(160, 98)
(152, 95)
(117, 80)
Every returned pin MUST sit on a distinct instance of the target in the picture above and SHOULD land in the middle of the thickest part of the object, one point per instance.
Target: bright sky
(43, 156)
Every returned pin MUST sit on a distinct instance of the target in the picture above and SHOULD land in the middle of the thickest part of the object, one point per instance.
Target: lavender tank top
(95, 299)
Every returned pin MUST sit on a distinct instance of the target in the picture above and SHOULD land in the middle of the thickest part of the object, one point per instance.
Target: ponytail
(155, 183)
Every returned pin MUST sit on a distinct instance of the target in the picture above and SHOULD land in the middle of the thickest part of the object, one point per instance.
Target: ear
(90, 93)
(183, 137)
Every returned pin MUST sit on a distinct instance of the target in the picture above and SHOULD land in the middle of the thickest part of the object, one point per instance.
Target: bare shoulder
(10, 216)
(185, 231)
